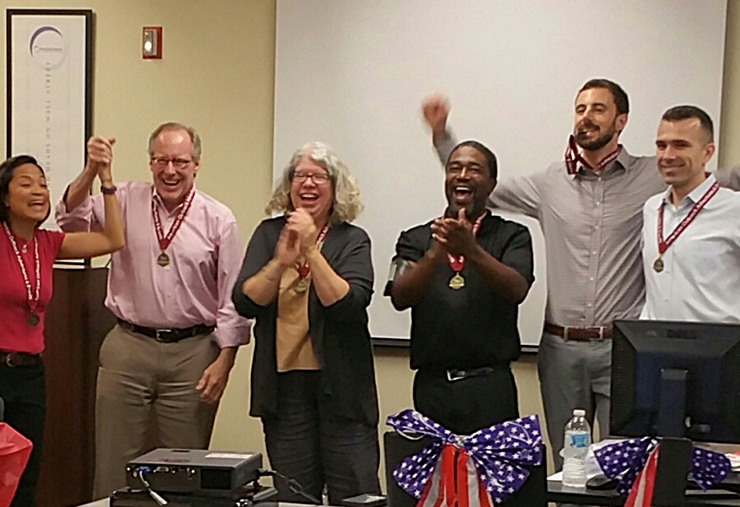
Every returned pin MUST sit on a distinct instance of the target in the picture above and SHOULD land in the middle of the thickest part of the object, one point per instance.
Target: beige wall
(217, 75)
(729, 138)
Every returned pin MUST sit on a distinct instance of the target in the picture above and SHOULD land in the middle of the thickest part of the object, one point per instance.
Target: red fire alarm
(151, 43)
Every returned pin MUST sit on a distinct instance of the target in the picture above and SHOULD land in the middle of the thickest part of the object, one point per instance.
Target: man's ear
(492, 185)
(708, 152)
(621, 122)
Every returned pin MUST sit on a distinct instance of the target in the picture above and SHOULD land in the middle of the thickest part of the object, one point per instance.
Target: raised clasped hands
(301, 223)
(100, 157)
(455, 235)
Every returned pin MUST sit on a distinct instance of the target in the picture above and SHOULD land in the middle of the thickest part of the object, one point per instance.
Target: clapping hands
(454, 235)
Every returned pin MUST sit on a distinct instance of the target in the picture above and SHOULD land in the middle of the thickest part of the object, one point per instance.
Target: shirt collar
(158, 200)
(694, 195)
(619, 163)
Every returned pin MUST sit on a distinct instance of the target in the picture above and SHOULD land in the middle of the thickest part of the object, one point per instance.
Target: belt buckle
(565, 333)
(9, 360)
(601, 333)
(454, 375)
(158, 333)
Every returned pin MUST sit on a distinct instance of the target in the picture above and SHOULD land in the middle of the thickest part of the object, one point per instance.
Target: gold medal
(658, 265)
(457, 282)
(301, 285)
(33, 319)
(163, 259)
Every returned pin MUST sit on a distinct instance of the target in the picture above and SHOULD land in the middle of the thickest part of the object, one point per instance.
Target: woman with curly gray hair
(307, 280)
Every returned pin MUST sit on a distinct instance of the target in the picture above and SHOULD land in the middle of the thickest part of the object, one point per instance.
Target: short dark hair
(687, 112)
(7, 169)
(620, 96)
(490, 156)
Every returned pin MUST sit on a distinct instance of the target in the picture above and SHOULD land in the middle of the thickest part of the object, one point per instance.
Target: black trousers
(308, 443)
(467, 405)
(23, 390)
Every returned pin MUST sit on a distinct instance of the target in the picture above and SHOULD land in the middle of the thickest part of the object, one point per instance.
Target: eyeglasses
(318, 178)
(177, 163)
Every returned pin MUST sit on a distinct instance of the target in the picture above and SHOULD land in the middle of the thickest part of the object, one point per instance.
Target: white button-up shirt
(701, 276)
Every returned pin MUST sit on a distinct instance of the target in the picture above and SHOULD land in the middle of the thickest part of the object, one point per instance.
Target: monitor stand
(672, 408)
(671, 473)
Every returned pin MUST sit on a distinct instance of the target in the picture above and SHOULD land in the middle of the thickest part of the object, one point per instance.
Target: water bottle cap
(579, 412)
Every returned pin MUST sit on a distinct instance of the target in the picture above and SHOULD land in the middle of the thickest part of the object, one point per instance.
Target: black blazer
(339, 333)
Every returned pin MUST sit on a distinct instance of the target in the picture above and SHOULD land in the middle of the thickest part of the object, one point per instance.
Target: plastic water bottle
(575, 448)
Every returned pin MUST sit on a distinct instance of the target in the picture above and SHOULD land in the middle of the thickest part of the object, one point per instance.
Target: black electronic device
(246, 496)
(601, 483)
(676, 379)
(193, 471)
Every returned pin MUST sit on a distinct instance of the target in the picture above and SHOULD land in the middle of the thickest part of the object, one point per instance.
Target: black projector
(191, 471)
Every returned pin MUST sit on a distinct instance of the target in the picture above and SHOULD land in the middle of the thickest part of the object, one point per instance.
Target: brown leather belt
(167, 335)
(13, 359)
(580, 334)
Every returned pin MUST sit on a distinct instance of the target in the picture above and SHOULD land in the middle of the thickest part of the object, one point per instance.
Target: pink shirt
(16, 335)
(205, 258)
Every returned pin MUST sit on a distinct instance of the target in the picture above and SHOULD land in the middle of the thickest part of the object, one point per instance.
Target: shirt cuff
(77, 220)
(233, 336)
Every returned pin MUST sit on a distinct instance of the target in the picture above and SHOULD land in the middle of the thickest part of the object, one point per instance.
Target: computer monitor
(676, 379)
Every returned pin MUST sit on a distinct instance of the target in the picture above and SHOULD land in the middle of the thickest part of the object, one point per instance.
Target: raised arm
(99, 152)
(80, 245)
(520, 195)
(436, 110)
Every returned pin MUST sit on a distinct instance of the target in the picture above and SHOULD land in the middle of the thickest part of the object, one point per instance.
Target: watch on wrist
(108, 190)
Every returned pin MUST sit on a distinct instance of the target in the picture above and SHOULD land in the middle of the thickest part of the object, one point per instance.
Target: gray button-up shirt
(592, 225)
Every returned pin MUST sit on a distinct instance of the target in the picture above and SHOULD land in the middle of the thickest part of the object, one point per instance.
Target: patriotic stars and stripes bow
(635, 462)
(490, 465)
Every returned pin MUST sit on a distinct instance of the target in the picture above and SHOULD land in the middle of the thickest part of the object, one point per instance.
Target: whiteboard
(353, 73)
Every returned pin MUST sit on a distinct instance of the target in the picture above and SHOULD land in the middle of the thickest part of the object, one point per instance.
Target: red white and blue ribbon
(628, 459)
(485, 468)
(641, 494)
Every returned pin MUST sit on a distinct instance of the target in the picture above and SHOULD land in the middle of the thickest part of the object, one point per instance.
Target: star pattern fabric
(708, 468)
(627, 458)
(501, 454)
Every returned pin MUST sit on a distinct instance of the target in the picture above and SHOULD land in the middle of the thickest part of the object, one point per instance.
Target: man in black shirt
(463, 276)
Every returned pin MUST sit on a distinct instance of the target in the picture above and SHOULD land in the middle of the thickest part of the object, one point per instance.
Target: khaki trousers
(145, 399)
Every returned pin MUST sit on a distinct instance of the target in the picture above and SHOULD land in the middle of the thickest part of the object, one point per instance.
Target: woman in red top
(27, 255)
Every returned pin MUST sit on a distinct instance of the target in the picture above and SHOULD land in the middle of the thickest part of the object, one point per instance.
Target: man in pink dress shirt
(165, 365)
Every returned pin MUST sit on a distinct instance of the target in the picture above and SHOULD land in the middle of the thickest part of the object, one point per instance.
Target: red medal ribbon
(664, 244)
(458, 263)
(32, 297)
(573, 157)
(303, 269)
(165, 240)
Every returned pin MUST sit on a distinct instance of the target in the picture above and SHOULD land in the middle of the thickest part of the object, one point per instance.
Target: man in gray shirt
(590, 209)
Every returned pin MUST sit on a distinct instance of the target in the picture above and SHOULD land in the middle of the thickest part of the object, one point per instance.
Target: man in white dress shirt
(691, 232)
